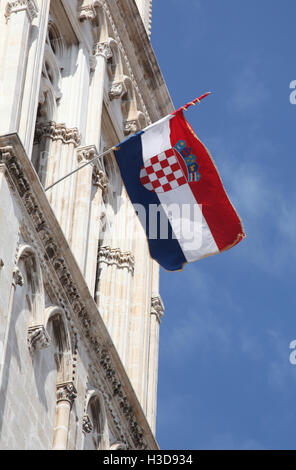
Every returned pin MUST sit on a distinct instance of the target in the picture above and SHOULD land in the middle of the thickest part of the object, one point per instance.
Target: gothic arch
(62, 340)
(50, 92)
(95, 420)
(115, 71)
(129, 108)
(28, 255)
(65, 389)
(101, 20)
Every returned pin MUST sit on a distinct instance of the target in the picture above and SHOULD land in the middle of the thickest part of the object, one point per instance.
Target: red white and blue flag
(167, 167)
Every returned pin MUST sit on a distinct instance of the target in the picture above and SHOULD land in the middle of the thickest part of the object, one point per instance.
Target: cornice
(115, 256)
(21, 5)
(58, 131)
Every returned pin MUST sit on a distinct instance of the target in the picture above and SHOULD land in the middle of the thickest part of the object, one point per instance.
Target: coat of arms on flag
(169, 169)
(166, 165)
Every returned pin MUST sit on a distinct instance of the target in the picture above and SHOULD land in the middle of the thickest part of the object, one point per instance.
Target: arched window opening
(94, 424)
(49, 98)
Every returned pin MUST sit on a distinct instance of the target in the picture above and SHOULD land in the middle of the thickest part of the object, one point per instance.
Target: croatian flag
(171, 178)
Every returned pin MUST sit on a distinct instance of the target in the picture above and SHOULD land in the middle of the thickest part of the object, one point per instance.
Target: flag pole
(192, 103)
(183, 108)
(80, 167)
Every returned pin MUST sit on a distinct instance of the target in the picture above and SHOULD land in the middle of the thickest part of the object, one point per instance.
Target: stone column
(80, 227)
(59, 144)
(115, 268)
(66, 394)
(157, 310)
(33, 77)
(137, 361)
(80, 235)
(15, 36)
(99, 185)
(101, 53)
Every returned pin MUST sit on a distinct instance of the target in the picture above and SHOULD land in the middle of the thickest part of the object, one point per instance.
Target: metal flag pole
(80, 167)
(192, 103)
(183, 108)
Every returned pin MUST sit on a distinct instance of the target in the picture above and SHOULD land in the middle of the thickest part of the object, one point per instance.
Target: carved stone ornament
(17, 277)
(87, 11)
(114, 256)
(87, 425)
(157, 307)
(21, 5)
(86, 154)
(38, 338)
(104, 49)
(131, 126)
(100, 179)
(57, 131)
(66, 392)
(117, 90)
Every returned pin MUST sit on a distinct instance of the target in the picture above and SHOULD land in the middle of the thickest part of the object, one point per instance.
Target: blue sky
(225, 379)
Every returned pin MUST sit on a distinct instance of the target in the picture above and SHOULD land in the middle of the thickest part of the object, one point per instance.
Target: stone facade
(79, 302)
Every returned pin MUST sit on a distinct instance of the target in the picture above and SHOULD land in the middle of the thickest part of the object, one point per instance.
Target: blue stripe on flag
(167, 252)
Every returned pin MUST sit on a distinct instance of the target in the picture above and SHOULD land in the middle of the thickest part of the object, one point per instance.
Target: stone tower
(145, 9)
(79, 294)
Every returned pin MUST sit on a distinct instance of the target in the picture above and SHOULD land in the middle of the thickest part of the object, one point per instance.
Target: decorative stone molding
(17, 277)
(66, 392)
(57, 131)
(117, 90)
(114, 256)
(86, 154)
(87, 11)
(131, 127)
(21, 5)
(125, 407)
(99, 178)
(87, 425)
(38, 338)
(157, 307)
(103, 49)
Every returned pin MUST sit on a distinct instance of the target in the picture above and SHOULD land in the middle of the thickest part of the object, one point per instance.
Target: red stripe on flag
(221, 217)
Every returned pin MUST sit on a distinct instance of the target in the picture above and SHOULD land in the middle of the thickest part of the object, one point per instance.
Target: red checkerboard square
(162, 172)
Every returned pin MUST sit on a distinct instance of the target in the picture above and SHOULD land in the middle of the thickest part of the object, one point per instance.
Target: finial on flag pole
(192, 103)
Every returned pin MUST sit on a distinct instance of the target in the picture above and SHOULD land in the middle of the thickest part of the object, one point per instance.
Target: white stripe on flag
(188, 223)
(156, 138)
